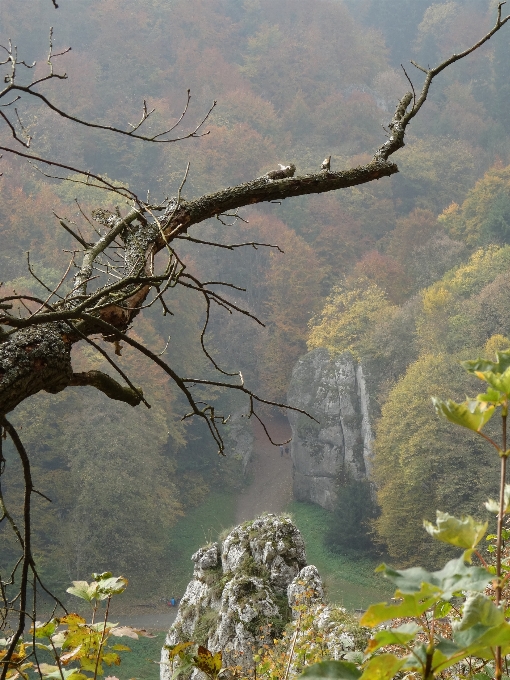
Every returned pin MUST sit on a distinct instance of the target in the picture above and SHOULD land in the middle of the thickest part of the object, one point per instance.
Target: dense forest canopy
(407, 273)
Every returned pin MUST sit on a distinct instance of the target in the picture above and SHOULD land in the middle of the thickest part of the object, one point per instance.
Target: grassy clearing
(201, 525)
(349, 579)
(139, 663)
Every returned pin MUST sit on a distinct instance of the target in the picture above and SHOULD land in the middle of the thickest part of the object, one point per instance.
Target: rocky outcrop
(305, 589)
(338, 446)
(326, 630)
(245, 591)
(238, 594)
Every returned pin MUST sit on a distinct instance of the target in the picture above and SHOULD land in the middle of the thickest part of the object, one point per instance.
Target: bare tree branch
(13, 86)
(110, 387)
(25, 540)
(402, 116)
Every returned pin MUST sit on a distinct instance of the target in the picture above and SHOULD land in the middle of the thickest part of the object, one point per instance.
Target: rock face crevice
(366, 429)
(339, 446)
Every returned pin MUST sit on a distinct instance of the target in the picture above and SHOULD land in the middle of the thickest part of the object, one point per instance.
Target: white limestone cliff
(339, 445)
(247, 590)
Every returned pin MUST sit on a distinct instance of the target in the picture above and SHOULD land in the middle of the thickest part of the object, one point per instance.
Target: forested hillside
(412, 337)
(409, 273)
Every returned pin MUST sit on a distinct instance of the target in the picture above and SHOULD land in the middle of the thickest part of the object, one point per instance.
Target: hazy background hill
(409, 273)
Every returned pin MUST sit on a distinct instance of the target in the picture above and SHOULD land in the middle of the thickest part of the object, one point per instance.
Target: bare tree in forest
(117, 277)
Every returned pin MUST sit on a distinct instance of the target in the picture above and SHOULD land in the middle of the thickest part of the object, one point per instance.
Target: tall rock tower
(338, 446)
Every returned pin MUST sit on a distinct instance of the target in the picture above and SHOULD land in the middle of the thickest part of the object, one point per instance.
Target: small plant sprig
(471, 596)
(316, 633)
(70, 639)
(185, 656)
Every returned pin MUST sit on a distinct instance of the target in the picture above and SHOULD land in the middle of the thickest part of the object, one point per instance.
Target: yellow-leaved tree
(348, 315)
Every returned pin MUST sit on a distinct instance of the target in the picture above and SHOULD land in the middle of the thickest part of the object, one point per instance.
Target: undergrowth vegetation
(200, 525)
(349, 578)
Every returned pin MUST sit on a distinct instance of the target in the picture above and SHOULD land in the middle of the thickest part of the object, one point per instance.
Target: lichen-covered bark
(31, 360)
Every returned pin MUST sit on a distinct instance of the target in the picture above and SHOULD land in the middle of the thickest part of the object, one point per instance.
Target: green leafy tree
(422, 464)
(484, 214)
(349, 313)
(407, 351)
(435, 172)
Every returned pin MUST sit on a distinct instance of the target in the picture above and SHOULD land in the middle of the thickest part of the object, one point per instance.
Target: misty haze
(229, 291)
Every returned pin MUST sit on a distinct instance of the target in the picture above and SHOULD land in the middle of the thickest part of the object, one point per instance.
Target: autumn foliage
(366, 266)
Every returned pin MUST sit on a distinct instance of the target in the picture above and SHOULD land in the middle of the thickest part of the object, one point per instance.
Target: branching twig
(26, 543)
(410, 83)
(80, 240)
(229, 246)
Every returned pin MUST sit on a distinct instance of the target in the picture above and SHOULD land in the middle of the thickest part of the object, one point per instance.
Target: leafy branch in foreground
(69, 639)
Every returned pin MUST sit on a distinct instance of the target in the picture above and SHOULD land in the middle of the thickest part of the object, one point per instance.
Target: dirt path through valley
(270, 489)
